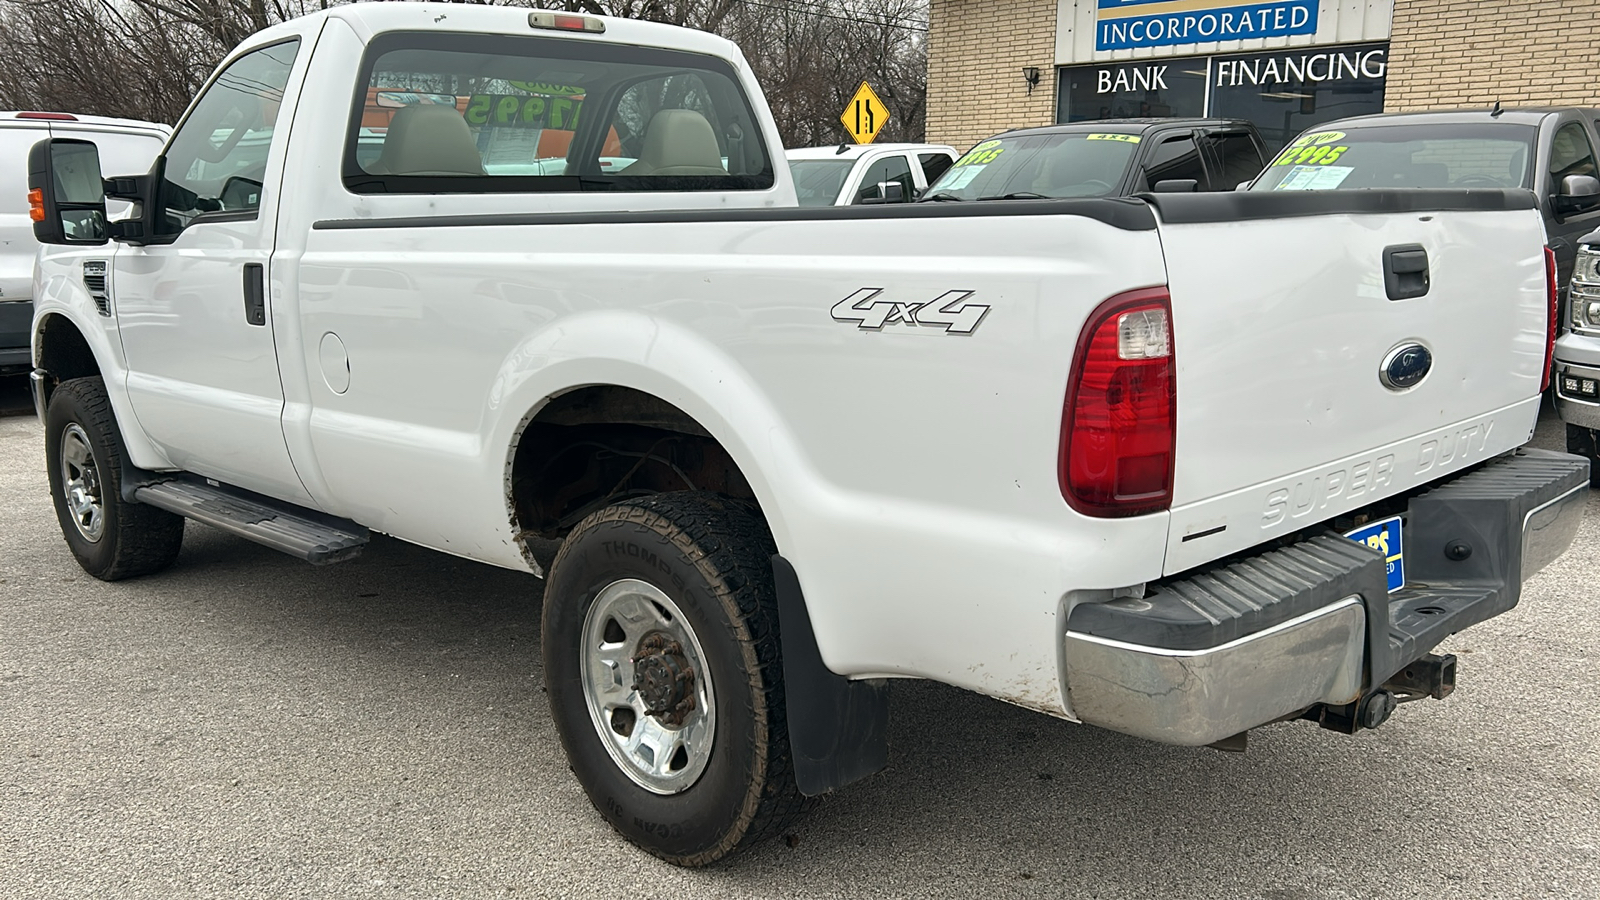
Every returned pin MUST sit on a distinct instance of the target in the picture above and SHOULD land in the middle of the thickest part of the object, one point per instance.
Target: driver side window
(218, 157)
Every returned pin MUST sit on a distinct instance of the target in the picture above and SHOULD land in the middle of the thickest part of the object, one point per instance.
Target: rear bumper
(1208, 656)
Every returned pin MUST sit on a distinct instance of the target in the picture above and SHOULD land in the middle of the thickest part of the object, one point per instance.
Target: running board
(317, 538)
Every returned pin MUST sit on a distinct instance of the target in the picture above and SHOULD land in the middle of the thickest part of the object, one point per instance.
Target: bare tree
(145, 59)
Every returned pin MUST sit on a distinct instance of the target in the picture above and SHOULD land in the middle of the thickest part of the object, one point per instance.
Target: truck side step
(312, 536)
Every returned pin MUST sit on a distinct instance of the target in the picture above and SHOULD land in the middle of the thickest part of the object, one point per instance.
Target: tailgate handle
(1405, 271)
(255, 294)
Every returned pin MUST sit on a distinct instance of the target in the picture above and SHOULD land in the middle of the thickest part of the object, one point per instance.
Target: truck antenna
(1495, 113)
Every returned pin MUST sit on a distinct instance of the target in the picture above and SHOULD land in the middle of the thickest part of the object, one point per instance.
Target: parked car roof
(42, 118)
(1518, 116)
(1127, 126)
(856, 151)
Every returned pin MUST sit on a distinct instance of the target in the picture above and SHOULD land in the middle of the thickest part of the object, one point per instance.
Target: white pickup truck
(1098, 458)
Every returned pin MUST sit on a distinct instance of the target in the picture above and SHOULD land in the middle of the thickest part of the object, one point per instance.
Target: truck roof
(1531, 115)
(368, 19)
(1130, 125)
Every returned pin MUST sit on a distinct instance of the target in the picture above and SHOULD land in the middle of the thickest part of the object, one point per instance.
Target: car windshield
(1080, 164)
(817, 181)
(1487, 155)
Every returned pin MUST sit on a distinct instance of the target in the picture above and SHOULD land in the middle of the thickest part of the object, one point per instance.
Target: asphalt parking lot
(244, 725)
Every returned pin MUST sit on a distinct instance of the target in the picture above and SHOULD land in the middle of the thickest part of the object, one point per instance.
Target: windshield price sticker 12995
(981, 155)
(1313, 149)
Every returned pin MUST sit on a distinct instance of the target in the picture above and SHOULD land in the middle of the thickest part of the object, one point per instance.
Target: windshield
(1039, 165)
(1405, 156)
(817, 181)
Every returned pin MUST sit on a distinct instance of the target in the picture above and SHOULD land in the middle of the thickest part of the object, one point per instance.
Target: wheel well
(593, 446)
(63, 352)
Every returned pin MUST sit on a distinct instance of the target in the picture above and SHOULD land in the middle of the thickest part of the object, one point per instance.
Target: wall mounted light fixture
(1030, 74)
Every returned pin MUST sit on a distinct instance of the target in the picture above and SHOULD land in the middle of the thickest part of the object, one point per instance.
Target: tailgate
(1283, 327)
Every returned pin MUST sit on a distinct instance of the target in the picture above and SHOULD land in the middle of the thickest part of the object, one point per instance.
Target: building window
(1172, 88)
(1283, 92)
(1286, 93)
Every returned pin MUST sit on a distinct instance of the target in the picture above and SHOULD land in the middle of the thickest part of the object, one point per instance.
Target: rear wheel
(664, 677)
(111, 538)
(1585, 442)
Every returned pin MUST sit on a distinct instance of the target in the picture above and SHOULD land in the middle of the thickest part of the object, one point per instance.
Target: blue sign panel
(1158, 23)
(1385, 537)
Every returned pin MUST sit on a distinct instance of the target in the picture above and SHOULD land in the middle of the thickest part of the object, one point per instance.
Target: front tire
(111, 538)
(664, 677)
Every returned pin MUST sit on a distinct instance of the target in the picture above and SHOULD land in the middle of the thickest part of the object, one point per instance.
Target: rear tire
(111, 538)
(1586, 442)
(684, 750)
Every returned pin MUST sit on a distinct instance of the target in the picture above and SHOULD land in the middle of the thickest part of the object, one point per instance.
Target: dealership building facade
(1286, 65)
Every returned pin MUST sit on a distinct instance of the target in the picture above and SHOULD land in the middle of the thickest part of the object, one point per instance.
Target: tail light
(1551, 324)
(54, 117)
(1119, 426)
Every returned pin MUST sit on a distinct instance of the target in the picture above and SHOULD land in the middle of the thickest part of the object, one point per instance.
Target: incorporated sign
(1123, 24)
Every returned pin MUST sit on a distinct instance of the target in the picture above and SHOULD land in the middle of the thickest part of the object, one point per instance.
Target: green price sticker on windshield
(983, 154)
(1122, 138)
(1310, 155)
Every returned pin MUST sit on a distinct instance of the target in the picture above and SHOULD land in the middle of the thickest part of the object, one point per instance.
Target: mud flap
(838, 728)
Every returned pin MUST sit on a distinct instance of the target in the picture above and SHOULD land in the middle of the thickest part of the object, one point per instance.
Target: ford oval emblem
(1405, 367)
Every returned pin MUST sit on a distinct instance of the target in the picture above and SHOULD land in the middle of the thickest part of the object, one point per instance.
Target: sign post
(865, 115)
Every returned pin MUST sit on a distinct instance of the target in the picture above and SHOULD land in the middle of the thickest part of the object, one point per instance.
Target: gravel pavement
(245, 725)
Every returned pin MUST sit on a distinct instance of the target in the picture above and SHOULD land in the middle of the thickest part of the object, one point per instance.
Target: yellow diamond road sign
(865, 116)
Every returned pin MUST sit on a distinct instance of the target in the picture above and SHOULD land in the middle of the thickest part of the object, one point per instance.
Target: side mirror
(66, 195)
(888, 192)
(1578, 193)
(1177, 186)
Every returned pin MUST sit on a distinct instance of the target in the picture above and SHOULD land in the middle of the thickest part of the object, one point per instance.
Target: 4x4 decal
(949, 311)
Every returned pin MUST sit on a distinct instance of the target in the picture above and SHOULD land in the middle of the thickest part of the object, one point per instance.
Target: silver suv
(126, 145)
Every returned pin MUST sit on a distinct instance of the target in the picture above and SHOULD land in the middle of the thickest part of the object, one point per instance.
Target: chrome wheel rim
(645, 682)
(80, 483)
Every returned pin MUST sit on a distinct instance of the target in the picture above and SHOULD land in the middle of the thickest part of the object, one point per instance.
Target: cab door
(193, 302)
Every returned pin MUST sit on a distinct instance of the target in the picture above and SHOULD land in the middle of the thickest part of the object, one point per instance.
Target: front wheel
(110, 537)
(663, 672)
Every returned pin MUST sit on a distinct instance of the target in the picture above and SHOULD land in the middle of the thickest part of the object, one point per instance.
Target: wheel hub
(647, 686)
(664, 678)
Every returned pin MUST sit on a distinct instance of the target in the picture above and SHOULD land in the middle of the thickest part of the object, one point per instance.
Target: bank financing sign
(1158, 23)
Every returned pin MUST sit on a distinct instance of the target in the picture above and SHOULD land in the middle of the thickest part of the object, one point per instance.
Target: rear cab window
(1239, 157)
(494, 113)
(934, 165)
(1456, 155)
(1075, 164)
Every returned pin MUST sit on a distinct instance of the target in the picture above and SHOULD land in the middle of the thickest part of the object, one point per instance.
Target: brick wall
(1469, 53)
(976, 52)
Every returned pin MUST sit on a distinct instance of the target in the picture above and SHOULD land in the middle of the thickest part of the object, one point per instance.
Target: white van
(126, 145)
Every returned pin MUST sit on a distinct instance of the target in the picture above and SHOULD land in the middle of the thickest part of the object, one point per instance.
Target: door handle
(1405, 271)
(255, 294)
